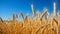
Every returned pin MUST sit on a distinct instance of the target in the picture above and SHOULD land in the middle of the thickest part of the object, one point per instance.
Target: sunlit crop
(36, 24)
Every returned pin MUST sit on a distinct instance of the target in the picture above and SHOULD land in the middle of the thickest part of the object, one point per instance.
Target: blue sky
(9, 6)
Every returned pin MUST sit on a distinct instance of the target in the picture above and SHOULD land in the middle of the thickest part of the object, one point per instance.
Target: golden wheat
(31, 25)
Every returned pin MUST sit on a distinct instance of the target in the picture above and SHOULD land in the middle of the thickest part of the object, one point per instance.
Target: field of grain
(35, 24)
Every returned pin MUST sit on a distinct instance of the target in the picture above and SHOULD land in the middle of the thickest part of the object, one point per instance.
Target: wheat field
(42, 24)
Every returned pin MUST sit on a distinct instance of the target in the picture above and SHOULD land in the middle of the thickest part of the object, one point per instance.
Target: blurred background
(7, 7)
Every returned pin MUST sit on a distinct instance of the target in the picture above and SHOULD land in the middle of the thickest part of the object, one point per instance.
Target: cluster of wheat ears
(35, 24)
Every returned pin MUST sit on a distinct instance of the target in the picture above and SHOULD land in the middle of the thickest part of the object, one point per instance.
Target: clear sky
(9, 6)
